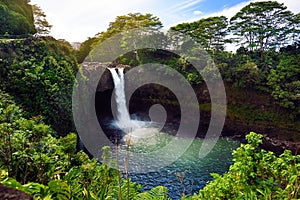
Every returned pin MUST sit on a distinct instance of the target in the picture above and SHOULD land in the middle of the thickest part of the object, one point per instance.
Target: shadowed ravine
(188, 174)
(247, 110)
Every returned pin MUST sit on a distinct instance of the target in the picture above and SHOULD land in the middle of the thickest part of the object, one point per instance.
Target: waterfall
(123, 120)
(137, 129)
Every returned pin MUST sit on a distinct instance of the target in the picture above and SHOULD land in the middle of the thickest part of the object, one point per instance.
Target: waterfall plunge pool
(185, 174)
(188, 174)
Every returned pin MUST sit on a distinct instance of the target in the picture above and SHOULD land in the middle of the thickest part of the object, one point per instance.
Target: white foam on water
(134, 130)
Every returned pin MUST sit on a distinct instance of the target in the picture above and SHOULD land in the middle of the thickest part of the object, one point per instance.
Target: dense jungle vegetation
(38, 152)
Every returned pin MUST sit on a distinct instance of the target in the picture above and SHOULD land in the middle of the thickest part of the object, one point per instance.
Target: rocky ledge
(247, 110)
(7, 193)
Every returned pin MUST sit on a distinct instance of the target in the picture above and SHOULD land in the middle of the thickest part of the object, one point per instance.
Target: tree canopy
(285, 83)
(262, 25)
(209, 32)
(16, 17)
(130, 21)
(41, 24)
(38, 74)
(122, 23)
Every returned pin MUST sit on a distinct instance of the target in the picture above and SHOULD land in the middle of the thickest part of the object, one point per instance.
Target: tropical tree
(41, 24)
(209, 32)
(130, 21)
(262, 25)
(16, 18)
(284, 82)
(295, 28)
(40, 75)
(85, 49)
(136, 22)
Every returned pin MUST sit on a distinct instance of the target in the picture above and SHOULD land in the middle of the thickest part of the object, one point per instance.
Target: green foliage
(256, 174)
(252, 115)
(295, 24)
(48, 168)
(16, 18)
(130, 21)
(34, 161)
(247, 75)
(29, 152)
(262, 28)
(41, 24)
(120, 25)
(85, 49)
(56, 189)
(262, 25)
(40, 75)
(209, 32)
(90, 179)
(157, 193)
(166, 58)
(284, 82)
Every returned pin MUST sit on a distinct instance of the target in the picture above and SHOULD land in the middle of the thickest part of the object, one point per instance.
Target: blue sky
(76, 20)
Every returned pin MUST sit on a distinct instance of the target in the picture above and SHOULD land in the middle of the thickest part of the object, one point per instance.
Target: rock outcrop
(7, 193)
(105, 81)
(240, 119)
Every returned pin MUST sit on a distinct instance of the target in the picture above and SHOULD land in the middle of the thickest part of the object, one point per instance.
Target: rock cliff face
(7, 193)
(246, 111)
(105, 81)
(90, 69)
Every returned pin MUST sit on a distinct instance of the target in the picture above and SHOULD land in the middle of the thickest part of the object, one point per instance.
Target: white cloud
(190, 4)
(292, 5)
(183, 5)
(229, 12)
(76, 20)
(197, 12)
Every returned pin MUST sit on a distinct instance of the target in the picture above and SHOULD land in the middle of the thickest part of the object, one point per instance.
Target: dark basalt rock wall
(91, 69)
(276, 138)
(7, 193)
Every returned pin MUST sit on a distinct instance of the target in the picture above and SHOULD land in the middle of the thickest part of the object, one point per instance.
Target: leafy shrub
(284, 82)
(40, 75)
(256, 174)
(16, 18)
(29, 151)
(34, 161)
(32, 154)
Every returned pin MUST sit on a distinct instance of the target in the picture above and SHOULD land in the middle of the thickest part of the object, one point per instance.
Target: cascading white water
(123, 119)
(137, 129)
(145, 138)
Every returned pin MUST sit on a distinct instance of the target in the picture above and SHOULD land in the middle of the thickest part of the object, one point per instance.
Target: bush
(284, 82)
(40, 75)
(256, 174)
(29, 151)
(34, 161)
